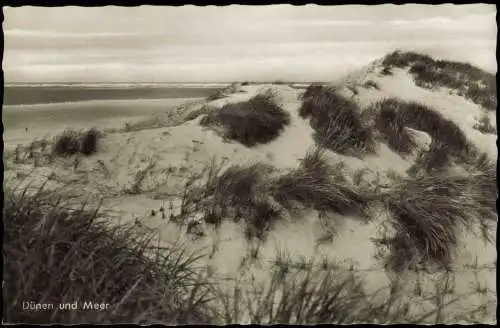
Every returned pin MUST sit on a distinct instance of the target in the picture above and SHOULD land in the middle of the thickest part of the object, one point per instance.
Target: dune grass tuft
(392, 127)
(386, 71)
(402, 59)
(370, 84)
(314, 294)
(484, 125)
(259, 195)
(435, 159)
(313, 185)
(336, 121)
(239, 192)
(484, 188)
(428, 211)
(310, 91)
(71, 142)
(54, 254)
(309, 298)
(448, 139)
(258, 120)
(67, 143)
(421, 117)
(89, 142)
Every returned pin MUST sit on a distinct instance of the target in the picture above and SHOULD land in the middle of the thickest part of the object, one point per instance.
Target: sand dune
(172, 149)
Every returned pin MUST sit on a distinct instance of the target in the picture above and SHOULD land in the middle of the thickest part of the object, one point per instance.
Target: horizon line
(176, 82)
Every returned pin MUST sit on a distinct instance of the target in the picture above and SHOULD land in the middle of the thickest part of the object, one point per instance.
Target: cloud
(225, 43)
(484, 22)
(64, 35)
(324, 22)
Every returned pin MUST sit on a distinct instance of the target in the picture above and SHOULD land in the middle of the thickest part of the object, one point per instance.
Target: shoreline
(99, 101)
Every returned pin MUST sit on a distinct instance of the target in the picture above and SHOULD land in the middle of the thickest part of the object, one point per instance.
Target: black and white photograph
(250, 164)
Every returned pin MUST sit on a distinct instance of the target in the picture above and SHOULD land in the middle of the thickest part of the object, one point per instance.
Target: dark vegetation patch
(71, 142)
(449, 141)
(421, 117)
(471, 82)
(402, 59)
(258, 120)
(353, 89)
(435, 159)
(312, 90)
(392, 127)
(337, 121)
(429, 213)
(484, 187)
(54, 254)
(484, 125)
(386, 71)
(315, 184)
(238, 192)
(259, 195)
(370, 84)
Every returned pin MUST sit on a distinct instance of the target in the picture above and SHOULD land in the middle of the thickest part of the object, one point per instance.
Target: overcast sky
(204, 44)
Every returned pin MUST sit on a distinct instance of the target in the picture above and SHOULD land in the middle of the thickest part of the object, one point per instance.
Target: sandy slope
(178, 150)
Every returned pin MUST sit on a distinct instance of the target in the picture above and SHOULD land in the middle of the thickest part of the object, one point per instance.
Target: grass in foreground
(258, 120)
(337, 121)
(324, 295)
(484, 191)
(311, 298)
(56, 255)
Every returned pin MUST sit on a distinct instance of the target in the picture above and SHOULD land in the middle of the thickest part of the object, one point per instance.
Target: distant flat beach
(38, 110)
(45, 120)
(48, 93)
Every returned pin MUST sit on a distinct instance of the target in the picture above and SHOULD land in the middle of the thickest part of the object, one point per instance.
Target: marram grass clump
(71, 142)
(259, 120)
(55, 254)
(337, 121)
